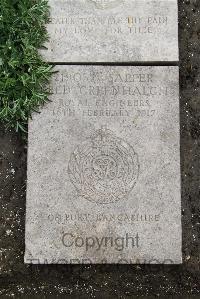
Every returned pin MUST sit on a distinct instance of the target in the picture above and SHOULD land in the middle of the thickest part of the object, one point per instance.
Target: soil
(111, 281)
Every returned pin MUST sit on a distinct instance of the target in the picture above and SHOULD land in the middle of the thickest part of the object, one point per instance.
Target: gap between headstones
(146, 63)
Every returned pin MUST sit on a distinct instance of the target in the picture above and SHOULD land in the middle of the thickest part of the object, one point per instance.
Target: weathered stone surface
(112, 30)
(104, 169)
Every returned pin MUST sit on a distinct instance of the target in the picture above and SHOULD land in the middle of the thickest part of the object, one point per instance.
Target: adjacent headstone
(112, 31)
(104, 168)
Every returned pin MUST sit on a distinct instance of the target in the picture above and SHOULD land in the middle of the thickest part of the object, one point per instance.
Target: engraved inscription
(108, 25)
(111, 31)
(104, 168)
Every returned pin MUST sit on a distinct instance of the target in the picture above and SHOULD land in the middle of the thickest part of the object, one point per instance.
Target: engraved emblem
(103, 4)
(104, 168)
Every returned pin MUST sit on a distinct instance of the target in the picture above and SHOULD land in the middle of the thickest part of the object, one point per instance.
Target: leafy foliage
(23, 73)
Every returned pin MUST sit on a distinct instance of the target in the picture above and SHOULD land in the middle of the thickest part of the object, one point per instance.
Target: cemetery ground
(110, 281)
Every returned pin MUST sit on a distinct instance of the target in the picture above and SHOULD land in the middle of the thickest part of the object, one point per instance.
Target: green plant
(24, 76)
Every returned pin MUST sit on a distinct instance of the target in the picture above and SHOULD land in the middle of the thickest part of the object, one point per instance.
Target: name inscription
(99, 98)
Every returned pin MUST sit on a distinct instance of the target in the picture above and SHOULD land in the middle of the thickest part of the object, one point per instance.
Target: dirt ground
(111, 281)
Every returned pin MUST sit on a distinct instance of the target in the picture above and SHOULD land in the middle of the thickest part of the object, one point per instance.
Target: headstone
(112, 31)
(104, 168)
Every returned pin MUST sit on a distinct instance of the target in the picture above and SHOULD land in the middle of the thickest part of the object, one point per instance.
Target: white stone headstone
(112, 31)
(104, 168)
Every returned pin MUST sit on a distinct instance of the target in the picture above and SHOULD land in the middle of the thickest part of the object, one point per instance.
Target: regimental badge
(104, 168)
(103, 4)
